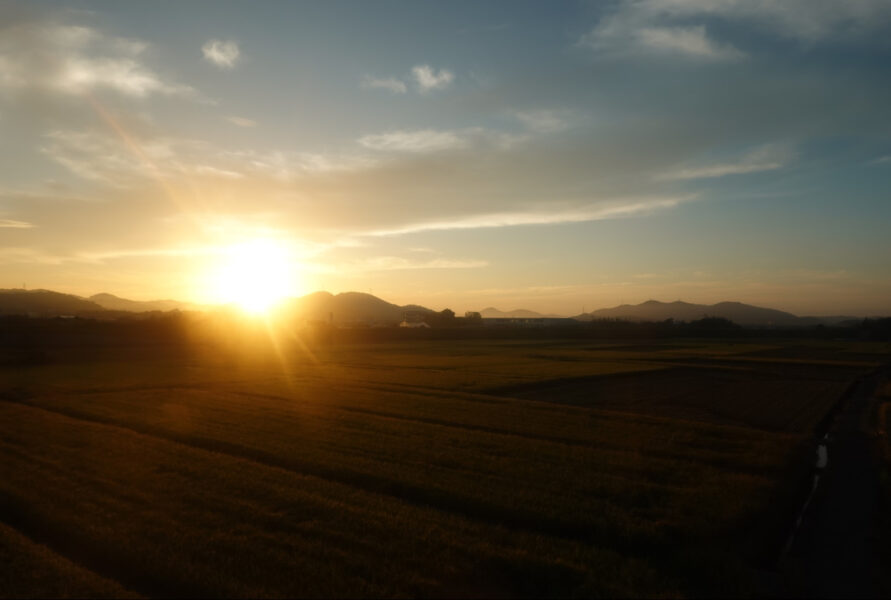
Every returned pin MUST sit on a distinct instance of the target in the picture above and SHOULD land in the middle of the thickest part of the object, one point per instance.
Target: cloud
(429, 79)
(391, 83)
(126, 162)
(427, 141)
(73, 59)
(766, 158)
(122, 75)
(542, 121)
(426, 79)
(397, 263)
(241, 121)
(882, 160)
(804, 20)
(547, 216)
(423, 140)
(217, 172)
(678, 27)
(689, 41)
(10, 224)
(223, 54)
(113, 161)
(624, 35)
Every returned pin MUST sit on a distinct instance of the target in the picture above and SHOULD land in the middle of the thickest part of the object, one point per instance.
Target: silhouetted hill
(519, 313)
(44, 303)
(112, 302)
(739, 313)
(348, 307)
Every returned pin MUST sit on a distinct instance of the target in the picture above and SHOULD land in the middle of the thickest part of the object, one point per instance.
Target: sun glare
(256, 275)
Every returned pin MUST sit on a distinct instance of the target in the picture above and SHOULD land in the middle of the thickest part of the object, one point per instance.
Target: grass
(394, 470)
(31, 570)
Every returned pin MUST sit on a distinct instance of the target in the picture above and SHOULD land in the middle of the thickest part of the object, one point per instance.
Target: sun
(256, 275)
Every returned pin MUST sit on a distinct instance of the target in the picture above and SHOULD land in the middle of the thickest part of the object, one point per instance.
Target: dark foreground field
(437, 468)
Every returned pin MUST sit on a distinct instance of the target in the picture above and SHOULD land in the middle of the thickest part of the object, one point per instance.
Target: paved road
(834, 554)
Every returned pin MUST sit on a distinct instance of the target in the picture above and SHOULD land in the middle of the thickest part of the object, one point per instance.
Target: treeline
(28, 339)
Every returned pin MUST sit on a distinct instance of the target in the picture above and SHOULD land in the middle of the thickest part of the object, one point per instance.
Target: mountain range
(357, 307)
(739, 313)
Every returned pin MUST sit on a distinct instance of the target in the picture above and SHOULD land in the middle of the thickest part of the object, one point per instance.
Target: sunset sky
(543, 155)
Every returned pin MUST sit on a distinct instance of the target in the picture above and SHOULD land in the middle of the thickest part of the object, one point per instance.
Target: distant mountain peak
(112, 302)
(738, 312)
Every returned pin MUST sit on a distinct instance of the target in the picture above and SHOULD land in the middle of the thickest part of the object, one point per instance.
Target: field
(412, 468)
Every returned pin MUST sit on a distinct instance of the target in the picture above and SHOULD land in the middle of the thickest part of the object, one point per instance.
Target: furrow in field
(473, 507)
(32, 570)
(599, 506)
(204, 522)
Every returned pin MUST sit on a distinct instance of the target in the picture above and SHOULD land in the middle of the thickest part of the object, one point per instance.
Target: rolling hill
(44, 303)
(348, 307)
(112, 302)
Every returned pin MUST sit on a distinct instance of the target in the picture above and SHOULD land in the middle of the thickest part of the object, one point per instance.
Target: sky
(554, 156)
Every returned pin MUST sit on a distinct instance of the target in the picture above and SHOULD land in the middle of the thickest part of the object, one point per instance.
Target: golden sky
(550, 156)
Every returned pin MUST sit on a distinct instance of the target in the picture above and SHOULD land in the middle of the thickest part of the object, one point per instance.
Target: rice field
(436, 469)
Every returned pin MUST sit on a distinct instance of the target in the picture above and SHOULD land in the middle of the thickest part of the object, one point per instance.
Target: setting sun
(256, 275)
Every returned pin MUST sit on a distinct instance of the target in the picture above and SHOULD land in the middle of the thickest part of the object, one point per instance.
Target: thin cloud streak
(12, 224)
(241, 121)
(390, 83)
(766, 158)
(397, 263)
(595, 213)
(425, 140)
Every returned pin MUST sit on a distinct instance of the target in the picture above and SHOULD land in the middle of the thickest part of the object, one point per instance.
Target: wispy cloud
(608, 210)
(882, 160)
(678, 27)
(223, 54)
(12, 224)
(689, 41)
(390, 83)
(423, 140)
(543, 121)
(73, 59)
(429, 79)
(426, 79)
(627, 35)
(766, 158)
(397, 263)
(241, 121)
(806, 20)
(99, 157)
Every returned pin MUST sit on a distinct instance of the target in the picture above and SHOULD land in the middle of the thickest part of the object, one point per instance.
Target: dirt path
(834, 552)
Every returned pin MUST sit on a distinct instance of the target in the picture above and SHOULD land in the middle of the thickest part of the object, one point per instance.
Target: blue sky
(551, 156)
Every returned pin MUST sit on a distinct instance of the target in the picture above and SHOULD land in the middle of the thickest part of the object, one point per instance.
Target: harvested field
(793, 399)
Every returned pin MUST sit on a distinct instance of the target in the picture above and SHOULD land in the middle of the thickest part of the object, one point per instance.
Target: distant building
(414, 319)
(528, 322)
